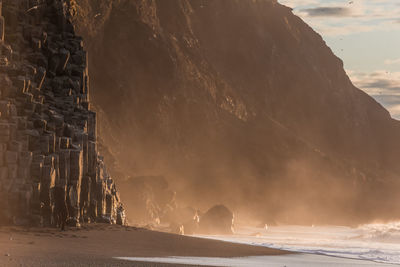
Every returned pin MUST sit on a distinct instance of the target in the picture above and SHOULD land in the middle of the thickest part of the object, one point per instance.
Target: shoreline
(373, 243)
(293, 260)
(99, 244)
(113, 245)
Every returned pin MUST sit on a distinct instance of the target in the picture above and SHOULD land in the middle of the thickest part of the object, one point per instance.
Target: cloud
(392, 61)
(298, 3)
(391, 103)
(339, 17)
(327, 12)
(379, 82)
(383, 86)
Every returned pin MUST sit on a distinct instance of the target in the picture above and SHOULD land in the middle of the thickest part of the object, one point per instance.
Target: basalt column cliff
(50, 170)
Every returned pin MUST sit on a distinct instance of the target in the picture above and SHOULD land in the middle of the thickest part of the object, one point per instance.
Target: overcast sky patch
(377, 83)
(366, 35)
(382, 85)
(327, 12)
(392, 61)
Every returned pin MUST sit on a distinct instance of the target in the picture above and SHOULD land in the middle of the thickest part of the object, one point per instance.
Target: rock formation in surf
(217, 220)
(50, 169)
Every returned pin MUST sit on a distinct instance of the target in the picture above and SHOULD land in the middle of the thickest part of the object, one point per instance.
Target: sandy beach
(98, 245)
(111, 245)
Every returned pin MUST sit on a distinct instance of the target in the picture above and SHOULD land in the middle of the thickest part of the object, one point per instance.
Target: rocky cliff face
(239, 102)
(50, 170)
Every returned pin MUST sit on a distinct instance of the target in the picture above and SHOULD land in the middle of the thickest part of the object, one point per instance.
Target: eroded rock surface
(50, 170)
(239, 102)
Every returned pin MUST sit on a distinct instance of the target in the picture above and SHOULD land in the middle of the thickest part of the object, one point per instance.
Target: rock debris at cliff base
(50, 170)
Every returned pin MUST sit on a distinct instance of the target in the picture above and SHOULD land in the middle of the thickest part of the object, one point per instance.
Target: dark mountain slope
(239, 102)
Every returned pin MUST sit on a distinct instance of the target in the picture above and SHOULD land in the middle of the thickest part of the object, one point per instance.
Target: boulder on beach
(217, 220)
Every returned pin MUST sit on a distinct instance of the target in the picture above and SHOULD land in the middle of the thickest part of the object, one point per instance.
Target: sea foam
(295, 260)
(373, 242)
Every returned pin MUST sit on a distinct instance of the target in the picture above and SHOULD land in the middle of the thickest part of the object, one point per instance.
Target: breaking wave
(373, 242)
(389, 232)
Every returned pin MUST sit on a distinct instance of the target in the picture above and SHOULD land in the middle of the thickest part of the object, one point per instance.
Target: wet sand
(96, 245)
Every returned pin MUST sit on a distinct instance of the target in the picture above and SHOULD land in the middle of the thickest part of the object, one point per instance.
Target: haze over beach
(199, 132)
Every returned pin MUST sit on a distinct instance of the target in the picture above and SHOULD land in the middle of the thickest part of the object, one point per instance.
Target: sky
(365, 34)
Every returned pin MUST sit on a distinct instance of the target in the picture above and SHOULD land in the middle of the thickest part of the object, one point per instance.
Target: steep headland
(241, 103)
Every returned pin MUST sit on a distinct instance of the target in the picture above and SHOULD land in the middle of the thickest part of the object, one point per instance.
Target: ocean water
(372, 242)
(294, 260)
